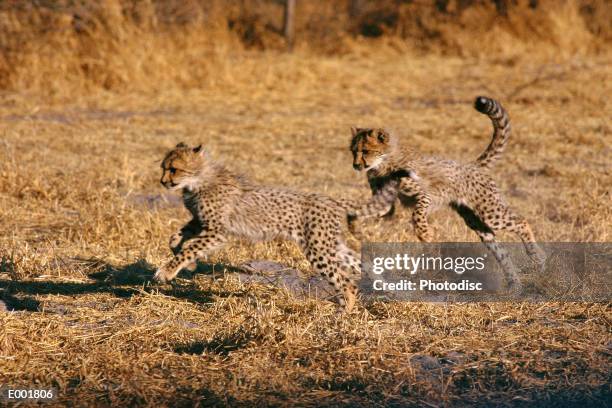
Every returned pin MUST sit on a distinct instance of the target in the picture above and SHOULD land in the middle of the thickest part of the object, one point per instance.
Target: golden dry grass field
(84, 223)
(78, 241)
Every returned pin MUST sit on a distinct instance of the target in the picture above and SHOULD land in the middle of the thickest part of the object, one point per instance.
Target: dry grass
(65, 47)
(78, 240)
(77, 243)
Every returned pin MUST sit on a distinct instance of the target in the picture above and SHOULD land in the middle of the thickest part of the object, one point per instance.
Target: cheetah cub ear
(354, 131)
(198, 149)
(181, 145)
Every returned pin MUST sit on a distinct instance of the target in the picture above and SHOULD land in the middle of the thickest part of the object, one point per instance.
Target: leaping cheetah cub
(430, 182)
(225, 205)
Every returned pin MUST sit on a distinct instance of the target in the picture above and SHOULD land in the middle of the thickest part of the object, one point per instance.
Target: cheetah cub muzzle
(395, 172)
(225, 205)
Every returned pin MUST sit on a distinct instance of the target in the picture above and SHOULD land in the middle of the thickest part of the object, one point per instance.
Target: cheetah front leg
(487, 236)
(191, 229)
(410, 187)
(191, 250)
(382, 202)
(188, 231)
(419, 218)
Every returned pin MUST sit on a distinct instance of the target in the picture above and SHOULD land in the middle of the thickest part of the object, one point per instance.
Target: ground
(84, 223)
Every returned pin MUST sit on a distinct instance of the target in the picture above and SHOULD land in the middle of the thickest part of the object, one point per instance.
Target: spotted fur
(225, 205)
(429, 182)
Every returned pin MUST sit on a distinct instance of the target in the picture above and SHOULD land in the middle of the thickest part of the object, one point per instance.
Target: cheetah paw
(540, 259)
(162, 275)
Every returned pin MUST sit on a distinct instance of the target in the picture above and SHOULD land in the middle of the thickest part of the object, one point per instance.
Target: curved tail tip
(482, 104)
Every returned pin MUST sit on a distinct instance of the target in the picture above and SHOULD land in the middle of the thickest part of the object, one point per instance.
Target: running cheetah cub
(429, 182)
(225, 205)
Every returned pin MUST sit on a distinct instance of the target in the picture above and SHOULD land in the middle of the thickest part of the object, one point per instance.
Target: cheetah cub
(428, 182)
(224, 205)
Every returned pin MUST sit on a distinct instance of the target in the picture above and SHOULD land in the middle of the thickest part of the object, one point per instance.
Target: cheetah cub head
(182, 167)
(370, 147)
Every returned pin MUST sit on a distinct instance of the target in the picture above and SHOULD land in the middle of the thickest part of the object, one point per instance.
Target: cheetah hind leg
(487, 236)
(511, 273)
(329, 268)
(350, 263)
(534, 251)
(511, 222)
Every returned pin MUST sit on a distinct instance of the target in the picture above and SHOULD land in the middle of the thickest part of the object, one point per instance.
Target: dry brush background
(93, 94)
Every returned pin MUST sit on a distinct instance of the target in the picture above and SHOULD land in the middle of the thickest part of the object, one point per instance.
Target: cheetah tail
(501, 129)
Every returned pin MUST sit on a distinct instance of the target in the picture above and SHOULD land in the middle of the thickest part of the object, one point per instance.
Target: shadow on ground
(119, 281)
(219, 345)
